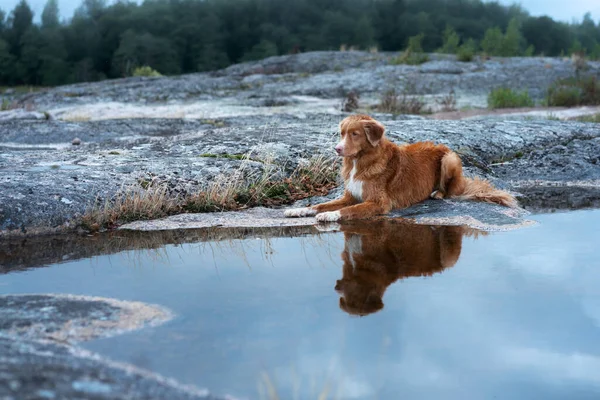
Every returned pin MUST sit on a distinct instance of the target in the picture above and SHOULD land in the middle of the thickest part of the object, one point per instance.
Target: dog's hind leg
(452, 181)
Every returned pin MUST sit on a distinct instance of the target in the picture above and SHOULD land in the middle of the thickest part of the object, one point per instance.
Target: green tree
(547, 36)
(50, 19)
(144, 49)
(263, 49)
(576, 47)
(7, 64)
(451, 41)
(30, 58)
(20, 21)
(492, 42)
(2, 23)
(511, 43)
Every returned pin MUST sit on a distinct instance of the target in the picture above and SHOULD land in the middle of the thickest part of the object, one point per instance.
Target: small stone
(76, 142)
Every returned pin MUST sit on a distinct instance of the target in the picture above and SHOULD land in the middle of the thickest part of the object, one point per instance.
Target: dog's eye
(354, 133)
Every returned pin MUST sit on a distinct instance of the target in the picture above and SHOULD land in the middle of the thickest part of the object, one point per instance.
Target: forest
(102, 41)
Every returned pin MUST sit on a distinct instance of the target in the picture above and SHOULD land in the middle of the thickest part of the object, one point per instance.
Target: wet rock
(76, 142)
(47, 370)
(38, 361)
(69, 318)
(480, 216)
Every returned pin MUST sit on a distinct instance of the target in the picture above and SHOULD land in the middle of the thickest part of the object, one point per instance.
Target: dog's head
(358, 297)
(358, 133)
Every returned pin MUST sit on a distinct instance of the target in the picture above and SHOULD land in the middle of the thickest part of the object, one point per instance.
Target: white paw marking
(435, 195)
(299, 212)
(354, 186)
(331, 216)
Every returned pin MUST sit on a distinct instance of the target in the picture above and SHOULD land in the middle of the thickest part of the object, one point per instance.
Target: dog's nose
(339, 149)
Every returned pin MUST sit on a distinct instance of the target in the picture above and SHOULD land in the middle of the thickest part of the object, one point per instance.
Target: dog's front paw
(331, 216)
(299, 212)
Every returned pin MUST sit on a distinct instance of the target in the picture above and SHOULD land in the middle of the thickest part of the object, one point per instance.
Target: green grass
(213, 122)
(508, 98)
(409, 58)
(414, 54)
(595, 118)
(228, 156)
(5, 105)
(23, 89)
(145, 71)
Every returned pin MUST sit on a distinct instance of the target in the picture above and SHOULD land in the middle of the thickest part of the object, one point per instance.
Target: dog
(379, 253)
(380, 176)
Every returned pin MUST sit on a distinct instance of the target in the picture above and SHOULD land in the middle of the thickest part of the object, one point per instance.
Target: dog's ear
(374, 131)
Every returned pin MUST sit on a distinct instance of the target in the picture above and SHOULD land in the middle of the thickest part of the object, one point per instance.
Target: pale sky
(557, 9)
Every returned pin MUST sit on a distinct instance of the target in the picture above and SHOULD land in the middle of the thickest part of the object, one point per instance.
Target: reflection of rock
(18, 254)
(378, 254)
(37, 362)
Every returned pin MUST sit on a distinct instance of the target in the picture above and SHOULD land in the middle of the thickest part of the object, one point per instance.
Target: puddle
(382, 310)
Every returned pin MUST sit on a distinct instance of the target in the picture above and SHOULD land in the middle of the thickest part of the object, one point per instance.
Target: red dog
(380, 175)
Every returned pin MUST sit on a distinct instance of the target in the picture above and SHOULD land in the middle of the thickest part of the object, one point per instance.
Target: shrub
(466, 52)
(573, 92)
(451, 41)
(595, 118)
(413, 55)
(145, 71)
(404, 103)
(350, 103)
(507, 98)
(448, 102)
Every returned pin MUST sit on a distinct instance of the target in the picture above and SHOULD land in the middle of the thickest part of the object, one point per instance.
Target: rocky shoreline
(40, 357)
(74, 146)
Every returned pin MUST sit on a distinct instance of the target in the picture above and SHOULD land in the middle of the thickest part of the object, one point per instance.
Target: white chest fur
(354, 248)
(354, 186)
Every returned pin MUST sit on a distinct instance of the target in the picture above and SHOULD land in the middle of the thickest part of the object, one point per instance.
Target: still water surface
(381, 311)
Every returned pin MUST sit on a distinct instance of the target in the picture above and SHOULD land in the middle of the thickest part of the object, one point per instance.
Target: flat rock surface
(38, 360)
(487, 217)
(46, 182)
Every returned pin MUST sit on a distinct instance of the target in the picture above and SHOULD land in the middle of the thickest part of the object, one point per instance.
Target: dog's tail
(482, 190)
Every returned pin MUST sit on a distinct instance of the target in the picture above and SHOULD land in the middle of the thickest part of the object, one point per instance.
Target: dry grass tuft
(403, 103)
(351, 102)
(130, 204)
(448, 101)
(227, 192)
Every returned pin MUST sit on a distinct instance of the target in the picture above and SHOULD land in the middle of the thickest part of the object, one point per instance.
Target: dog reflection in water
(378, 253)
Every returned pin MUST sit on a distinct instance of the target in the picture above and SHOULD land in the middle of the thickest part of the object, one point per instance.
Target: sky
(556, 9)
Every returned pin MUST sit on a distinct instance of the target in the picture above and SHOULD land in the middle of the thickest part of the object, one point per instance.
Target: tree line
(105, 41)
